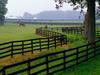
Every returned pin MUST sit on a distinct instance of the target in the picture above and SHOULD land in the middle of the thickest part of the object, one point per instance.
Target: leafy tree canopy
(3, 10)
(76, 3)
(89, 22)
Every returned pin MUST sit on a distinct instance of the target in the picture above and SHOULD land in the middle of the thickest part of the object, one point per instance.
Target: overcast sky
(18, 7)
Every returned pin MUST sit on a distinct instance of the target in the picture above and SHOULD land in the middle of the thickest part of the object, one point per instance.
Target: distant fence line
(62, 60)
(49, 33)
(71, 30)
(77, 30)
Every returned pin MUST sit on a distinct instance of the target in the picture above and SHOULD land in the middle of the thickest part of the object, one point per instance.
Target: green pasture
(10, 32)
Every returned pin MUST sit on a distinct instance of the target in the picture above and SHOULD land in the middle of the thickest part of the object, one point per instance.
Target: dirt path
(18, 58)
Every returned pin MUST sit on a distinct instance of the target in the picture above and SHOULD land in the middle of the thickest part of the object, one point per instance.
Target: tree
(89, 22)
(3, 10)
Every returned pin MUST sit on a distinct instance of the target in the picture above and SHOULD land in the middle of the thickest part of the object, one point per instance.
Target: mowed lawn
(10, 32)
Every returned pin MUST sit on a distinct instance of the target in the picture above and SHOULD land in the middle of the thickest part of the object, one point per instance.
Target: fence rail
(49, 64)
(22, 46)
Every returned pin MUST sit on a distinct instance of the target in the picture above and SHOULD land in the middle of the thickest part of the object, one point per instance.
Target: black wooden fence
(49, 64)
(48, 33)
(20, 47)
(77, 30)
(72, 30)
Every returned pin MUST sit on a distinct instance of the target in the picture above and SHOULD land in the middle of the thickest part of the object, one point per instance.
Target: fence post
(22, 47)
(12, 49)
(54, 33)
(48, 43)
(50, 34)
(28, 65)
(61, 40)
(40, 43)
(64, 58)
(87, 52)
(47, 65)
(94, 48)
(77, 50)
(64, 39)
(32, 45)
(55, 40)
(3, 71)
(44, 32)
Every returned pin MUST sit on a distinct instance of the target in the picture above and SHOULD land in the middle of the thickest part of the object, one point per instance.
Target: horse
(22, 24)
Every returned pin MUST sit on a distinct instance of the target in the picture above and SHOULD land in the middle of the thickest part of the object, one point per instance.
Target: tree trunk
(86, 25)
(91, 21)
(2, 20)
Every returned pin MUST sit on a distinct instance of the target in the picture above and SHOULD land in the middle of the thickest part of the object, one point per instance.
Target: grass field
(12, 32)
